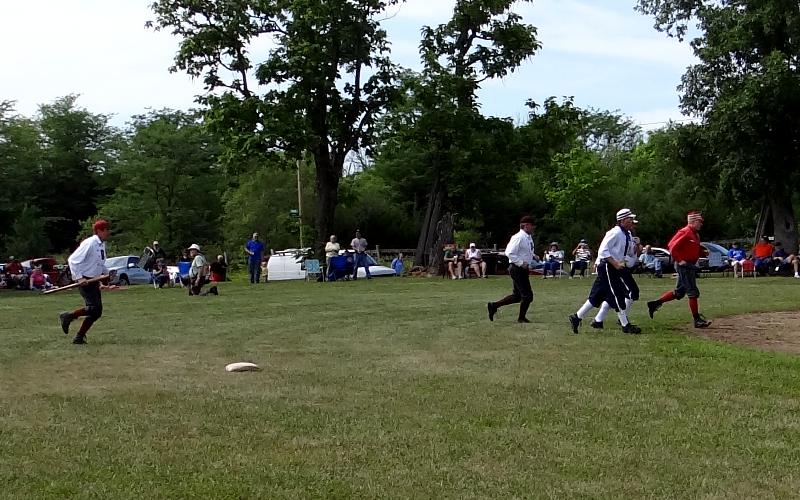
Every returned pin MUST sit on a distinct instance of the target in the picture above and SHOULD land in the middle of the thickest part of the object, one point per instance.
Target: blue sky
(600, 51)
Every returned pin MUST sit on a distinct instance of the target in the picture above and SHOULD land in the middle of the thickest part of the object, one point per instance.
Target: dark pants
(360, 260)
(630, 283)
(687, 282)
(92, 309)
(609, 287)
(254, 268)
(522, 292)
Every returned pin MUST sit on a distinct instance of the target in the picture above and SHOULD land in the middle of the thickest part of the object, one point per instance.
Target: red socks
(667, 297)
(77, 313)
(693, 306)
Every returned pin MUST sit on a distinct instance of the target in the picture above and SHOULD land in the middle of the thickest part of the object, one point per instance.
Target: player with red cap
(685, 249)
(88, 261)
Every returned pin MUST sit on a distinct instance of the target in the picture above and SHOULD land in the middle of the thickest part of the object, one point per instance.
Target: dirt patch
(776, 331)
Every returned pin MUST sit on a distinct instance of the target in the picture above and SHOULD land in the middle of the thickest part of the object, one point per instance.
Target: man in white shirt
(86, 262)
(612, 256)
(631, 287)
(359, 245)
(520, 253)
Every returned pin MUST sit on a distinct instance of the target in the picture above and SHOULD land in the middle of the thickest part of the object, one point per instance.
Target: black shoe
(631, 328)
(701, 322)
(79, 339)
(213, 290)
(65, 318)
(652, 307)
(597, 324)
(575, 321)
(523, 320)
(492, 310)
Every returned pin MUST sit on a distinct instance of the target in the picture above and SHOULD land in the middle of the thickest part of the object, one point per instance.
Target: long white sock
(585, 308)
(601, 314)
(628, 304)
(623, 317)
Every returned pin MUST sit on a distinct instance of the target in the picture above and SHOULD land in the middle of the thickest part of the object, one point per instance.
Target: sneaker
(213, 291)
(523, 320)
(701, 322)
(575, 321)
(631, 328)
(796, 275)
(65, 318)
(79, 339)
(598, 325)
(492, 310)
(652, 307)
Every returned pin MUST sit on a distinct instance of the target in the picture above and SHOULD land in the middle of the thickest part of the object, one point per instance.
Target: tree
(322, 84)
(746, 88)
(484, 39)
(168, 184)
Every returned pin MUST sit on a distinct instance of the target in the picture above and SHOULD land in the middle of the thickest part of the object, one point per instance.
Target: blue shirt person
(254, 249)
(397, 265)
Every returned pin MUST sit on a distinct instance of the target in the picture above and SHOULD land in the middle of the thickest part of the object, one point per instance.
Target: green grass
(393, 388)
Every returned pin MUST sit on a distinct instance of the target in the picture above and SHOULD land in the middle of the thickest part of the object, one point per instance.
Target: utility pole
(300, 202)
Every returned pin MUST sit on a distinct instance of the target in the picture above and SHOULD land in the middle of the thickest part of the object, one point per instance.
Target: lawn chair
(341, 267)
(314, 270)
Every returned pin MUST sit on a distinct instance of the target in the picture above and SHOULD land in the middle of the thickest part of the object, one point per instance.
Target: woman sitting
(553, 258)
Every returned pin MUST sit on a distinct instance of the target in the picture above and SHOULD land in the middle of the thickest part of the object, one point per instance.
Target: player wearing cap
(609, 286)
(86, 262)
(520, 253)
(631, 287)
(685, 249)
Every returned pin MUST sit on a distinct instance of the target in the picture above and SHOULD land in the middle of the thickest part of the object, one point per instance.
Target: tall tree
(318, 89)
(746, 88)
(484, 39)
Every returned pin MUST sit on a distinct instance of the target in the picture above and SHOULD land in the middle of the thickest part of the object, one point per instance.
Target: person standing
(88, 261)
(685, 249)
(332, 248)
(609, 286)
(397, 264)
(359, 245)
(520, 253)
(254, 249)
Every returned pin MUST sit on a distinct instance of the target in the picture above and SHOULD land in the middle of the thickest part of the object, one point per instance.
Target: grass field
(393, 388)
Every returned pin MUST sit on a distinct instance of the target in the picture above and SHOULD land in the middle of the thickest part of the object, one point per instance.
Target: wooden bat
(76, 284)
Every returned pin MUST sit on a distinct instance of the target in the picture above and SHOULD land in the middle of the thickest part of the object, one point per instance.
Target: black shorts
(687, 282)
(630, 283)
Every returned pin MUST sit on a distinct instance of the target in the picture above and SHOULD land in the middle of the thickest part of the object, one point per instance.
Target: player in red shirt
(686, 250)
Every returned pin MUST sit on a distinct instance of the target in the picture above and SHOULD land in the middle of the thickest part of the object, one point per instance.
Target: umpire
(519, 252)
(610, 283)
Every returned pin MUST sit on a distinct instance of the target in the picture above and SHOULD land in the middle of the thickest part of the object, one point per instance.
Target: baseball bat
(76, 284)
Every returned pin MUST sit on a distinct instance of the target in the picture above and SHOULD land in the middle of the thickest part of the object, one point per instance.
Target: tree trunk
(422, 256)
(785, 226)
(327, 187)
(443, 235)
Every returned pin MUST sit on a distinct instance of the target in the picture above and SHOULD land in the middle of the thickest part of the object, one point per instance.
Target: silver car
(127, 270)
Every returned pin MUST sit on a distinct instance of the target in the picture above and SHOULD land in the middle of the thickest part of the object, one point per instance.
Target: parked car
(127, 271)
(664, 256)
(718, 254)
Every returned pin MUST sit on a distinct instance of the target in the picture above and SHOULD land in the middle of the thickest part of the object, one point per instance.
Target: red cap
(101, 225)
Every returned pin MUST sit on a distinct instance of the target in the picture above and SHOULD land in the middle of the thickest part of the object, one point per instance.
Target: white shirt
(89, 259)
(613, 245)
(359, 244)
(520, 248)
(473, 254)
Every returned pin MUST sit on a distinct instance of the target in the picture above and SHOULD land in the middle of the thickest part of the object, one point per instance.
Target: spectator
(452, 261)
(254, 249)
(397, 264)
(781, 258)
(475, 260)
(737, 256)
(159, 253)
(161, 273)
(15, 274)
(219, 269)
(185, 257)
(582, 255)
(762, 255)
(553, 258)
(332, 248)
(198, 273)
(359, 246)
(650, 262)
(38, 280)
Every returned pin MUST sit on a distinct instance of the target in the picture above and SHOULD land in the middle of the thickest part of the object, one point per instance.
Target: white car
(127, 271)
(288, 265)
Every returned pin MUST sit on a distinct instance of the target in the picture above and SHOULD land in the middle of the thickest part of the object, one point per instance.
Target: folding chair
(313, 269)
